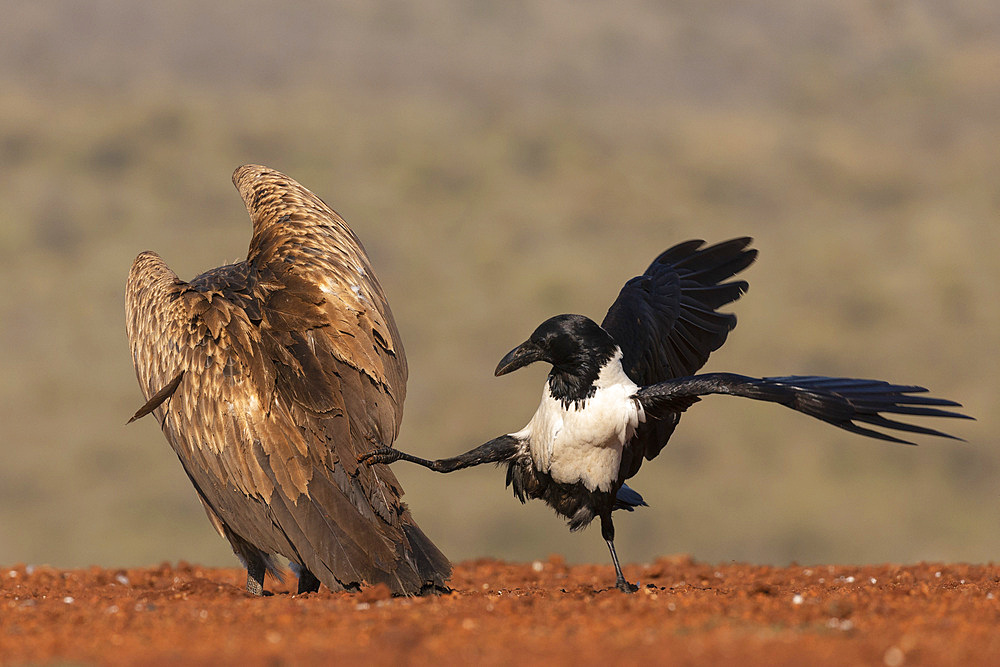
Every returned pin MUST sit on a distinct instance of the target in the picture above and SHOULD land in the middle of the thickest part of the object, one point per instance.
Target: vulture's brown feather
(290, 366)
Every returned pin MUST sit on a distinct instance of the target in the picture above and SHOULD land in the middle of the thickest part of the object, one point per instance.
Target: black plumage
(616, 391)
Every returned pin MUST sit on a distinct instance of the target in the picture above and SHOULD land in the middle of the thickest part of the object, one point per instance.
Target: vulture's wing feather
(302, 245)
(666, 323)
(157, 399)
(292, 368)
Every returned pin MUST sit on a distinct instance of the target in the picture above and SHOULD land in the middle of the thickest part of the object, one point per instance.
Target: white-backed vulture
(269, 377)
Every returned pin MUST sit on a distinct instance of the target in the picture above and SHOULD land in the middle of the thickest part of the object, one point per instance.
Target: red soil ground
(545, 612)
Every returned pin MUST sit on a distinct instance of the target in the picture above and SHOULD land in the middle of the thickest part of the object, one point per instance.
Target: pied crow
(616, 391)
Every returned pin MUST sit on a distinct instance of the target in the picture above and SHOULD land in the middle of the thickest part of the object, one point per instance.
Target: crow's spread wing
(667, 323)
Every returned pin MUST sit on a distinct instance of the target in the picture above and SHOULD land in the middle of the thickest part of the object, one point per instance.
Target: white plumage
(583, 442)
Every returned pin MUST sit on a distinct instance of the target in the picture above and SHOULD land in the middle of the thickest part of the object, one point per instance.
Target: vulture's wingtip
(248, 172)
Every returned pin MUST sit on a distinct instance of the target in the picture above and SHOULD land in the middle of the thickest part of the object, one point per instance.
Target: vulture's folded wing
(292, 367)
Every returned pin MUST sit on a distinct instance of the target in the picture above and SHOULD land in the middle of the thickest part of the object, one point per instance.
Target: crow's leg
(608, 532)
(499, 449)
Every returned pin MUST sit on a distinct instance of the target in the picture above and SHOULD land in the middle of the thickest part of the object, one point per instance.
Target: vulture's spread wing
(666, 323)
(292, 367)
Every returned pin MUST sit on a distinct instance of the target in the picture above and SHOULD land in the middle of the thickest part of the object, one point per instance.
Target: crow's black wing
(667, 323)
(846, 403)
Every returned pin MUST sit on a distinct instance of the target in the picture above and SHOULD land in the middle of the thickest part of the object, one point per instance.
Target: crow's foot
(380, 455)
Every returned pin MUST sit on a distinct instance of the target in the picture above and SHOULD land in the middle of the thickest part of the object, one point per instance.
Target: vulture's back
(290, 366)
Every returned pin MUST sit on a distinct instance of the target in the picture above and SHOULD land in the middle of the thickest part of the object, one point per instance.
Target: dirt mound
(500, 613)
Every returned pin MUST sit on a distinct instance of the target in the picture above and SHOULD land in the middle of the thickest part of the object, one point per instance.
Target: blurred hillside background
(504, 161)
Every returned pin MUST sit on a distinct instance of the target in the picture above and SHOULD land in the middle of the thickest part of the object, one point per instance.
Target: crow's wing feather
(666, 323)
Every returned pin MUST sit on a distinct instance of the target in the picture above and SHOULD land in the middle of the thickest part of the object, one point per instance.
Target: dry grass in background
(504, 162)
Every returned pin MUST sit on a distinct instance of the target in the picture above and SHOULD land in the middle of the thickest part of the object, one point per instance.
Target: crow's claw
(380, 455)
(626, 587)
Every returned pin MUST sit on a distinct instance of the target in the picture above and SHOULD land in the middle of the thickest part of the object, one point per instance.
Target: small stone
(894, 657)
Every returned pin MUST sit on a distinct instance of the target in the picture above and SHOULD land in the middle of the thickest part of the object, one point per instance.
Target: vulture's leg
(308, 583)
(255, 575)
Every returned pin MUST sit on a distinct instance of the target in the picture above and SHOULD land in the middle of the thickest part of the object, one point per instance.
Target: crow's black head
(576, 346)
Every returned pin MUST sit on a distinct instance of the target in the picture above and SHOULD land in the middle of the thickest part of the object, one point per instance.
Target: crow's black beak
(522, 355)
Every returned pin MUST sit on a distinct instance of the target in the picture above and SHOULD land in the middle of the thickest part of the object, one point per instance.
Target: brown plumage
(269, 377)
